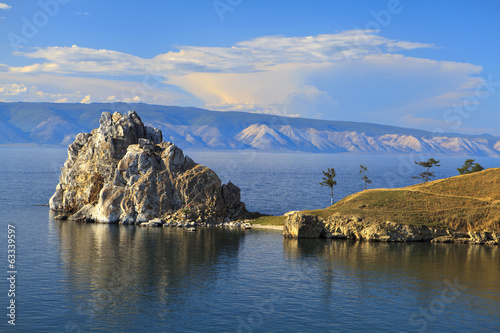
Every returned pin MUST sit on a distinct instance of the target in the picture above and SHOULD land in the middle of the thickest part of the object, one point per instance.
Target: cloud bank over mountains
(348, 75)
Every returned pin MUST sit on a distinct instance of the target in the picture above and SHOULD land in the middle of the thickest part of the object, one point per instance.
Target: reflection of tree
(121, 271)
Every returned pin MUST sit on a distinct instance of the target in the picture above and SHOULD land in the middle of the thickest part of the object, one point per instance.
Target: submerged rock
(123, 172)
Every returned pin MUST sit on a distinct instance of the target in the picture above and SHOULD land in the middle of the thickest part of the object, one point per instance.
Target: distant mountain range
(188, 127)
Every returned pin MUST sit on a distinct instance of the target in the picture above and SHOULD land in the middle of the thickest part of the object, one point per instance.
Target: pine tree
(426, 175)
(470, 167)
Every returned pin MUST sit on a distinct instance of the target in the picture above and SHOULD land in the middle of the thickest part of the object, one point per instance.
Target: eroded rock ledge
(123, 172)
(356, 228)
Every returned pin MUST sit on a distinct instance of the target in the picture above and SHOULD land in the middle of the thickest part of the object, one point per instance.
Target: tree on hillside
(328, 177)
(364, 177)
(470, 167)
(426, 175)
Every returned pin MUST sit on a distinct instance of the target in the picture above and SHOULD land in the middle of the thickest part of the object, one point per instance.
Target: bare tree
(364, 177)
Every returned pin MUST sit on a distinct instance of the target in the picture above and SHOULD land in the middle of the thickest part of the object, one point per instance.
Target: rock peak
(123, 172)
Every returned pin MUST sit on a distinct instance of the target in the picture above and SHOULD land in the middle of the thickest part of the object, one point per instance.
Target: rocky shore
(123, 172)
(300, 225)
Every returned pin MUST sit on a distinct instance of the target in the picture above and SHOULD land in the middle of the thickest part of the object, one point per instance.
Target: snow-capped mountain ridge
(187, 127)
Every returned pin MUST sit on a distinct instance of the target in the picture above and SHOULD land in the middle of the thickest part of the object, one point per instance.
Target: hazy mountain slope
(189, 127)
(11, 134)
(53, 129)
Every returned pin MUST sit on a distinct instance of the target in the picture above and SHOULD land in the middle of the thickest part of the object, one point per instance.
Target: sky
(432, 65)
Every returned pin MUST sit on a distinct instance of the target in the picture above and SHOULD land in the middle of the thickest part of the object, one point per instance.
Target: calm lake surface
(75, 277)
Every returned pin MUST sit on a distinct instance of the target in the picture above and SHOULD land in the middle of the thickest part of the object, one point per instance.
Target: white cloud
(135, 99)
(309, 102)
(13, 89)
(62, 100)
(248, 56)
(76, 88)
(330, 76)
(86, 100)
(4, 6)
(30, 93)
(77, 60)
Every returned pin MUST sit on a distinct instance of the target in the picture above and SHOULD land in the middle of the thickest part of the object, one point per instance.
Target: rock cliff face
(303, 226)
(356, 228)
(123, 172)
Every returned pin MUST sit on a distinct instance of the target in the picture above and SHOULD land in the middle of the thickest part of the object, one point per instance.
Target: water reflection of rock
(422, 267)
(115, 269)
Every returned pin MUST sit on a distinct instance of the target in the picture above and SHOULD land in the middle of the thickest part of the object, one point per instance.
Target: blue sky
(432, 65)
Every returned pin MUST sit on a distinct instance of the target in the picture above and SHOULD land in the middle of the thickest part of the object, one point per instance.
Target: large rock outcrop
(303, 226)
(123, 172)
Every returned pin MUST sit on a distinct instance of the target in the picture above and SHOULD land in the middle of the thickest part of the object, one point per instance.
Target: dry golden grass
(467, 202)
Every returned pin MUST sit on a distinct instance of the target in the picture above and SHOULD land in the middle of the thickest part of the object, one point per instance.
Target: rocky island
(461, 209)
(123, 172)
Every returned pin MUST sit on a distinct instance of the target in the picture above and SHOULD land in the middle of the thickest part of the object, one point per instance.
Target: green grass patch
(269, 220)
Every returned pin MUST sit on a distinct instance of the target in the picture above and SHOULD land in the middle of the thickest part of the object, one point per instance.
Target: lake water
(75, 277)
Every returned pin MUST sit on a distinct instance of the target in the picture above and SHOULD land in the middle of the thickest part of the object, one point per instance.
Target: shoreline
(268, 227)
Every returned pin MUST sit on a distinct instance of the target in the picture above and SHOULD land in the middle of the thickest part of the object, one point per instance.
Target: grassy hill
(463, 203)
(466, 202)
